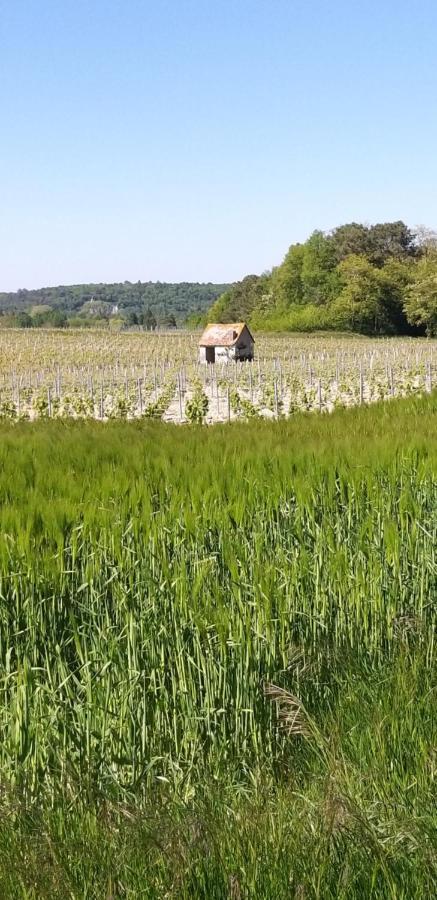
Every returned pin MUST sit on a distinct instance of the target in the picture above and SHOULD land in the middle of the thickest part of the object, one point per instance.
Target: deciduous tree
(421, 299)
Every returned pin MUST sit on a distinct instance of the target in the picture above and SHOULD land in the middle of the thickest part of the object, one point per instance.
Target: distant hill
(162, 299)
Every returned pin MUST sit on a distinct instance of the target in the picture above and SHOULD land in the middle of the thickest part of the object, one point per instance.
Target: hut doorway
(210, 354)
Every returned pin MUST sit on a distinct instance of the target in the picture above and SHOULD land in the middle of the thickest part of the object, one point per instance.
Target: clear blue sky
(195, 140)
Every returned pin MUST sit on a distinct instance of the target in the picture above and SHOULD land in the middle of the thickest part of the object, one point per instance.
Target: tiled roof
(221, 335)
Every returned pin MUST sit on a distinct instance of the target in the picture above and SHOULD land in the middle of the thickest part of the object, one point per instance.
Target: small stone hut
(226, 343)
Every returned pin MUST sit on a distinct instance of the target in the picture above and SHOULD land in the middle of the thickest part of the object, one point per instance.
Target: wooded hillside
(157, 299)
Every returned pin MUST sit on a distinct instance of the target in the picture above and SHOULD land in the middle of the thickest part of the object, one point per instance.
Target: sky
(192, 140)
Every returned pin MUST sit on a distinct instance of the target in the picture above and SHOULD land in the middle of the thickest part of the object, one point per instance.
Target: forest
(140, 303)
(378, 279)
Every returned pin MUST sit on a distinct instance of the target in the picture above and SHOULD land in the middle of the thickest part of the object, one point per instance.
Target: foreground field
(217, 650)
(141, 375)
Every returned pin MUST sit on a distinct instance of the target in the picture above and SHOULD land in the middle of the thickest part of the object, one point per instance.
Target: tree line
(148, 304)
(55, 318)
(377, 279)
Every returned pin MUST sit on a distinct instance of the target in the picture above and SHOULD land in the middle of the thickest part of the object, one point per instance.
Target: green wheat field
(217, 657)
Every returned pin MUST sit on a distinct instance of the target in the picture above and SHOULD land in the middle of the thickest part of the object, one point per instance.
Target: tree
(23, 320)
(360, 274)
(237, 304)
(51, 318)
(98, 309)
(379, 243)
(319, 278)
(390, 240)
(421, 299)
(359, 305)
(148, 319)
(426, 240)
(395, 278)
(287, 286)
(351, 239)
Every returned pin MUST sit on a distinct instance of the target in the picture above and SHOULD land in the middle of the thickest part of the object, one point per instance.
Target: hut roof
(217, 335)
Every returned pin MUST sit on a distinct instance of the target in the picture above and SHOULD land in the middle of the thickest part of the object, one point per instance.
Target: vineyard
(142, 375)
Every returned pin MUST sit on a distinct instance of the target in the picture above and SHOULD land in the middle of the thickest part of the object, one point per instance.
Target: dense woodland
(379, 279)
(142, 303)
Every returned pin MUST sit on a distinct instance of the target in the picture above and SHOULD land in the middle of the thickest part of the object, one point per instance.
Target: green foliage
(50, 318)
(350, 240)
(358, 304)
(159, 406)
(8, 409)
(96, 309)
(98, 301)
(238, 303)
(421, 300)
(287, 284)
(395, 277)
(242, 406)
(319, 277)
(297, 318)
(148, 319)
(378, 243)
(197, 406)
(42, 317)
(218, 657)
(391, 240)
(23, 320)
(355, 278)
